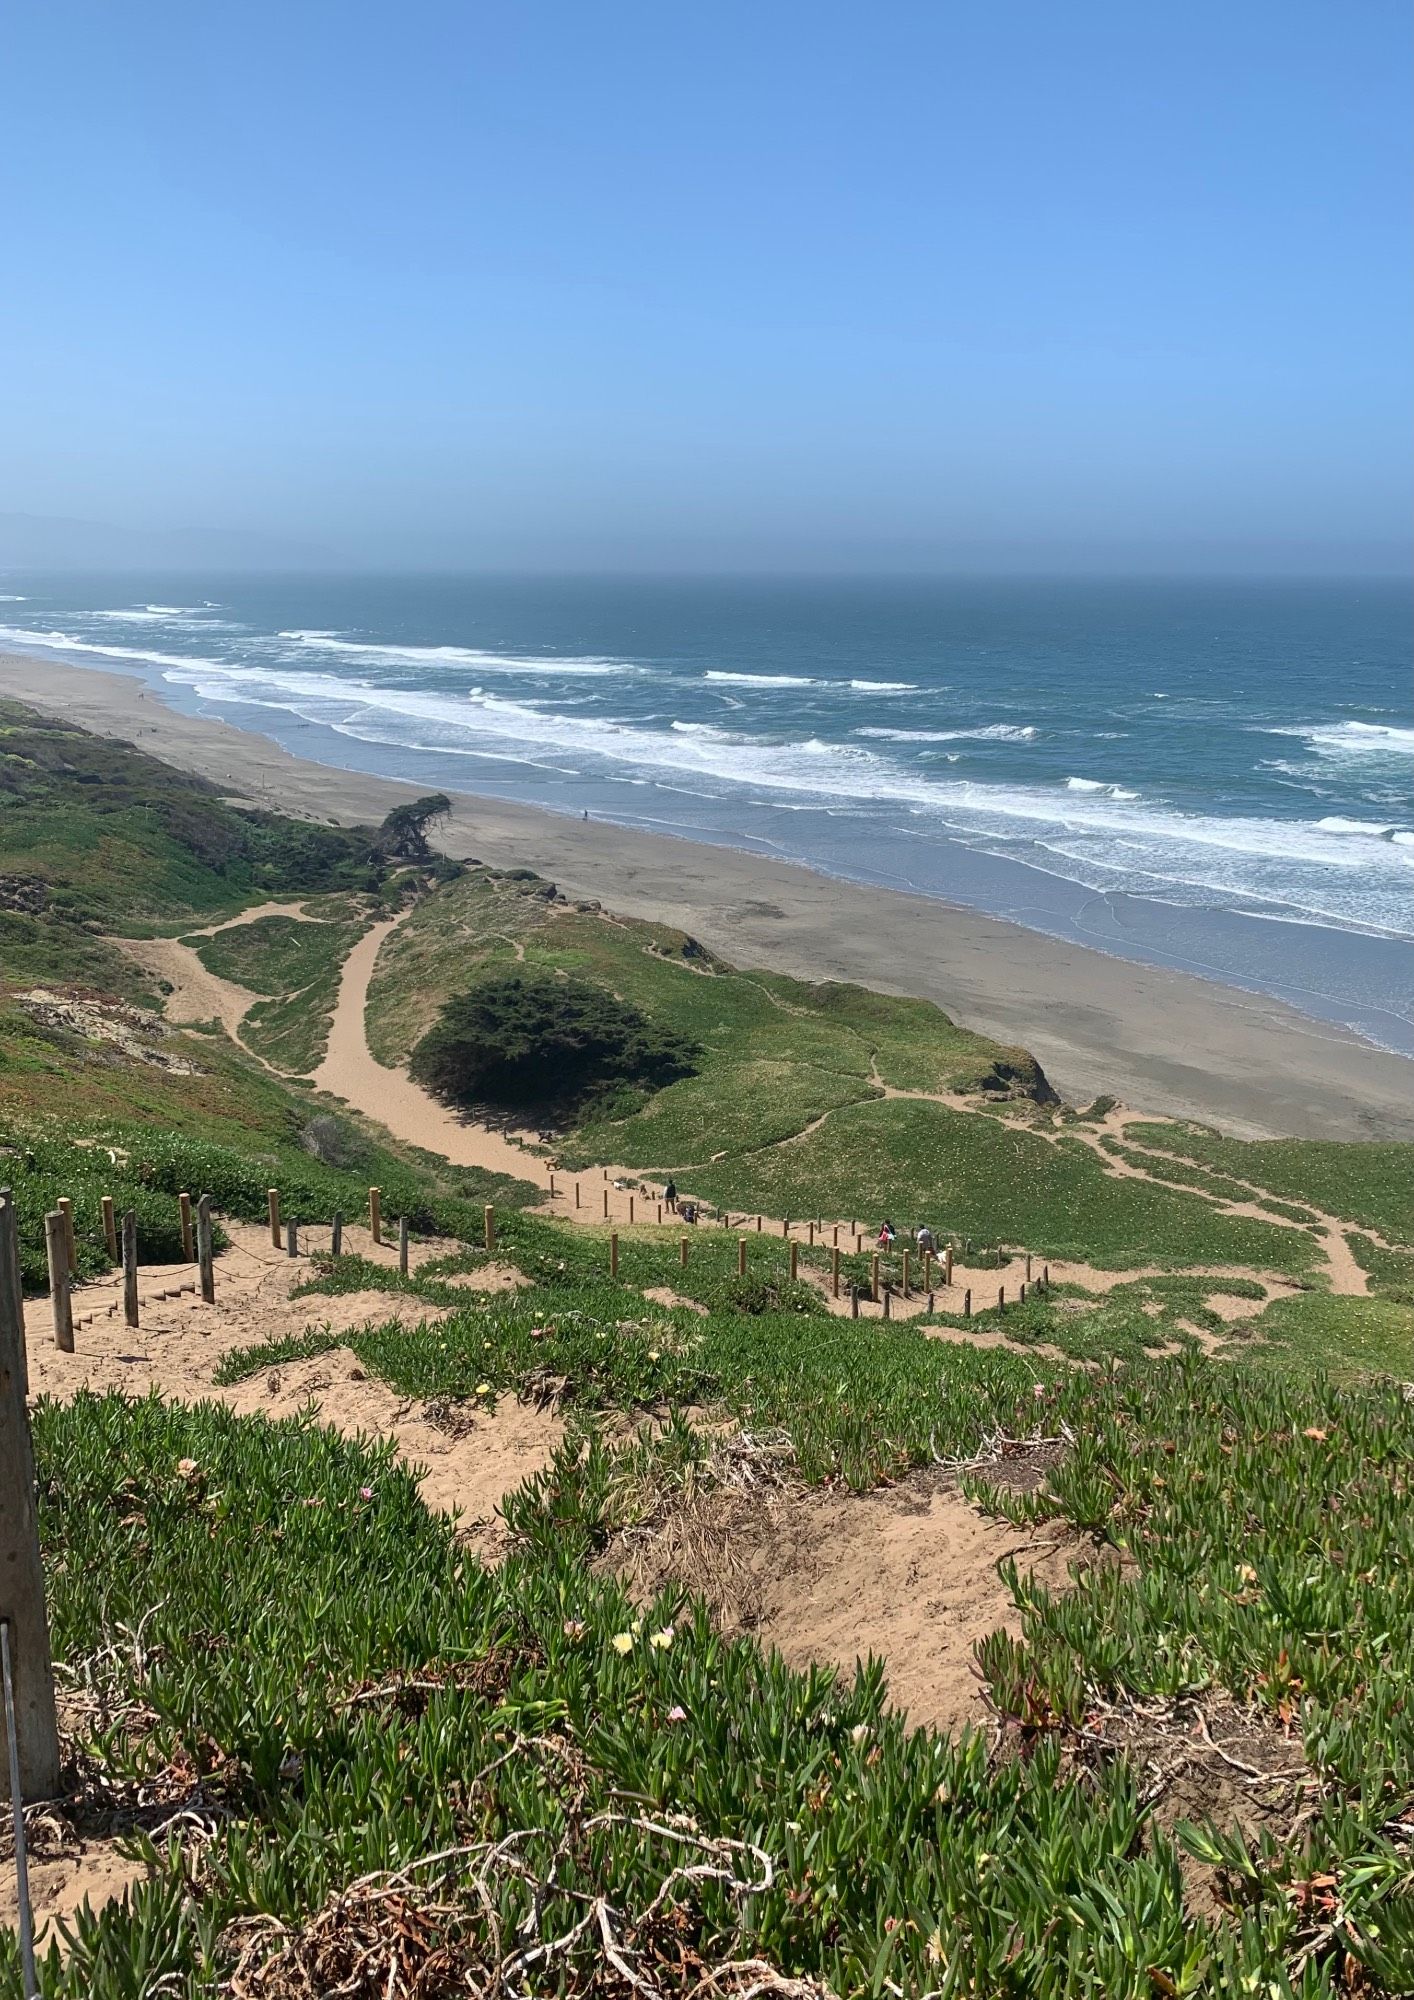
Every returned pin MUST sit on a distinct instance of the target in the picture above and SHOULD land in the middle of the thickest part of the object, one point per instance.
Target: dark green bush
(525, 1040)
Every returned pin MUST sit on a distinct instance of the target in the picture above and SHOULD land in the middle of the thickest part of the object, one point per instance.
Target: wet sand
(1161, 1041)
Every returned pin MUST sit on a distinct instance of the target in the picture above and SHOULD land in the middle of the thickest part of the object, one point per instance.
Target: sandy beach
(1159, 1040)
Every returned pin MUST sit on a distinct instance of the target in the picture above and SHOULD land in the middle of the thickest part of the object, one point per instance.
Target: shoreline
(1162, 1041)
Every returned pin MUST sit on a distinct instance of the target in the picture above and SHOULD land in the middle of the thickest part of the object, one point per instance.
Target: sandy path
(196, 995)
(410, 1113)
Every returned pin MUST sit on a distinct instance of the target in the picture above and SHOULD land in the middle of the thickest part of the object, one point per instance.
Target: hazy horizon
(1103, 292)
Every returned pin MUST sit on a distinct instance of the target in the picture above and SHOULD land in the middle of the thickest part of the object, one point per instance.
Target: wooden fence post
(682, 1252)
(967, 1303)
(613, 1253)
(576, 1194)
(336, 1234)
(874, 1277)
(490, 1221)
(606, 1204)
(741, 1256)
(375, 1214)
(1001, 1298)
(110, 1228)
(21, 1575)
(71, 1249)
(758, 1225)
(1028, 1266)
(403, 1245)
(947, 1265)
(292, 1238)
(272, 1203)
(58, 1253)
(552, 1183)
(205, 1263)
(794, 1258)
(130, 1266)
(12, 1291)
(835, 1271)
(785, 1225)
(854, 1302)
(630, 1208)
(810, 1234)
(660, 1211)
(888, 1295)
(184, 1220)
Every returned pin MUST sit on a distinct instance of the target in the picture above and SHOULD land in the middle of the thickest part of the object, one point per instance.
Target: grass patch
(1369, 1183)
(1313, 1331)
(990, 1179)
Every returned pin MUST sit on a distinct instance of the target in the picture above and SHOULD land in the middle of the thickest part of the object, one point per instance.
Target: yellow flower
(483, 1388)
(622, 1642)
(662, 1640)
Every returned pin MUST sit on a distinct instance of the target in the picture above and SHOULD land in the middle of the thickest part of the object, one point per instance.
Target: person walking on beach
(887, 1233)
(670, 1198)
(924, 1238)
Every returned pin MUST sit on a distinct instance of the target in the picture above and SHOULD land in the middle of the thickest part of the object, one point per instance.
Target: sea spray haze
(1218, 775)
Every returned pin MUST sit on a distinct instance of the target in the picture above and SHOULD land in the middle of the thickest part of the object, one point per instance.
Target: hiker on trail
(887, 1233)
(670, 1198)
(924, 1238)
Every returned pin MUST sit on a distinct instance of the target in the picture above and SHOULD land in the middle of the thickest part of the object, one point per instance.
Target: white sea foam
(456, 656)
(994, 732)
(10, 597)
(885, 687)
(1353, 739)
(1099, 785)
(1333, 823)
(761, 680)
(18, 635)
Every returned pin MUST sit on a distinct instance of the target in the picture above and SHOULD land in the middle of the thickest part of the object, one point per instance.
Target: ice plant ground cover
(376, 1762)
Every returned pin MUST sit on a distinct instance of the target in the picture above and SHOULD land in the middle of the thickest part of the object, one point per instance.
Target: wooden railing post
(336, 1234)
(375, 1214)
(110, 1228)
(184, 1219)
(741, 1256)
(130, 1267)
(205, 1262)
(71, 1248)
(26, 1637)
(57, 1251)
(12, 1290)
(272, 1203)
(292, 1238)
(403, 1245)
(835, 1271)
(613, 1253)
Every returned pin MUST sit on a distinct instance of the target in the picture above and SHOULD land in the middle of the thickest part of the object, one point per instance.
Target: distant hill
(42, 541)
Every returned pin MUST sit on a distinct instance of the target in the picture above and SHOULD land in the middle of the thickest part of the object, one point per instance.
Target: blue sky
(767, 285)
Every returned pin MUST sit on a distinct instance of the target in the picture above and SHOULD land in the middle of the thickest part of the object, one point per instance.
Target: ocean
(1216, 776)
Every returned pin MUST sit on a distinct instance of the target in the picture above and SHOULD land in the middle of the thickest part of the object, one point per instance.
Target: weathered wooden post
(888, 1295)
(576, 1194)
(835, 1271)
(682, 1252)
(874, 1277)
(57, 1251)
(12, 1283)
(947, 1265)
(403, 1245)
(606, 1204)
(272, 1202)
(130, 1266)
(967, 1303)
(26, 1628)
(336, 1234)
(660, 1211)
(71, 1249)
(741, 1256)
(785, 1225)
(794, 1259)
(630, 1208)
(184, 1222)
(810, 1234)
(375, 1214)
(835, 1240)
(854, 1302)
(110, 1228)
(930, 1302)
(613, 1253)
(552, 1183)
(490, 1222)
(1001, 1298)
(1028, 1266)
(292, 1238)
(758, 1225)
(1023, 1291)
(205, 1263)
